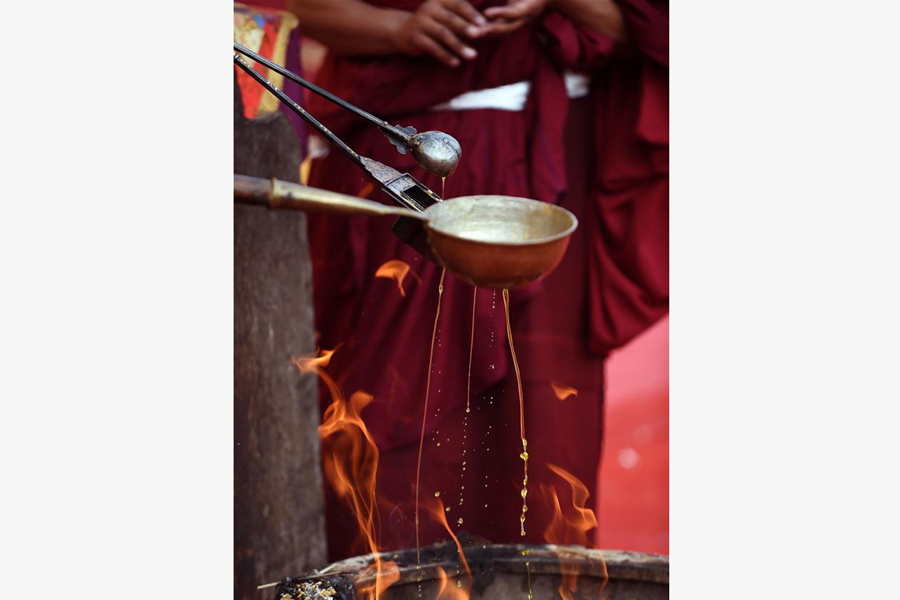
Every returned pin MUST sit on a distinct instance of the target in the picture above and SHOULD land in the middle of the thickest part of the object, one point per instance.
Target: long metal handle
(278, 194)
(324, 131)
(324, 93)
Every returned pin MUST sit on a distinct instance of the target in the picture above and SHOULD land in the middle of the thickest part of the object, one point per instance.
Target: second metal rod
(325, 94)
(298, 109)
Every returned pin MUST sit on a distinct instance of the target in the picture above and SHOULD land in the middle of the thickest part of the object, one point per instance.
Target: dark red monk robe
(604, 157)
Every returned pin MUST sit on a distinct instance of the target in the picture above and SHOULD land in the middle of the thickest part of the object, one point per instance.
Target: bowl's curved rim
(536, 242)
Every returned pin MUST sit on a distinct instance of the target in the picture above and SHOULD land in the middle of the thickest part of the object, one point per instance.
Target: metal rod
(298, 109)
(381, 173)
(325, 94)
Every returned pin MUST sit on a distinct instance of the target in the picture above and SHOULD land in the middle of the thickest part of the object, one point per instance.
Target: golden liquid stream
(471, 346)
(465, 435)
(528, 570)
(437, 314)
(524, 455)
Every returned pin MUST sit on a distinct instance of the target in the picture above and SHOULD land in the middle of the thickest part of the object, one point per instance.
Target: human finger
(466, 11)
(443, 34)
(502, 27)
(429, 46)
(458, 24)
(518, 9)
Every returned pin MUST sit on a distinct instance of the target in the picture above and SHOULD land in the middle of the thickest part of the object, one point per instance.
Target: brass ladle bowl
(488, 241)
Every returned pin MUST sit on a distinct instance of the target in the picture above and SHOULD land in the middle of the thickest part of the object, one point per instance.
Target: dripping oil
(524, 454)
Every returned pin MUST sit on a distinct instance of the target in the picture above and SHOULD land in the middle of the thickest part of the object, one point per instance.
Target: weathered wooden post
(279, 526)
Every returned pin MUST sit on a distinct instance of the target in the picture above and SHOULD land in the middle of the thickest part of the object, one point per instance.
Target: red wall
(634, 471)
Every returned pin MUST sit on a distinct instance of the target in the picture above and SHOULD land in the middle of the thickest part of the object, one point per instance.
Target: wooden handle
(252, 190)
(278, 194)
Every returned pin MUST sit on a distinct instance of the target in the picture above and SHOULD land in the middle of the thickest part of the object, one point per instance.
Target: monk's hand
(439, 27)
(504, 19)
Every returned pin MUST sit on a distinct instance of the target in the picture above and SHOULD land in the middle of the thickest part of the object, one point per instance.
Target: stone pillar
(279, 526)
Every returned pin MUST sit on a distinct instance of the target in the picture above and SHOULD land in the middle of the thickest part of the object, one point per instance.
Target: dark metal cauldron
(499, 572)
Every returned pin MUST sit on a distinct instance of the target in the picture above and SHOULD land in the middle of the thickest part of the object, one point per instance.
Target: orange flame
(312, 364)
(396, 269)
(448, 591)
(570, 529)
(439, 513)
(352, 464)
(366, 190)
(563, 391)
(386, 574)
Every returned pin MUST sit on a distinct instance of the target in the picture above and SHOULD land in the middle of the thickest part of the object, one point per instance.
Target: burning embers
(311, 591)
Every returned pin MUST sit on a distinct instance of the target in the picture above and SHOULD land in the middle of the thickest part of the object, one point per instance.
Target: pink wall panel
(634, 471)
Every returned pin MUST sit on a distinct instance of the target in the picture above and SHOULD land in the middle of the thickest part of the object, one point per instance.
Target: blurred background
(634, 470)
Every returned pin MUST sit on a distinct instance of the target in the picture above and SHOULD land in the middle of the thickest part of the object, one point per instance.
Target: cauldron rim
(509, 558)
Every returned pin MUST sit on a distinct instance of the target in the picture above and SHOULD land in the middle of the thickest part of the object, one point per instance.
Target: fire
(449, 590)
(440, 514)
(584, 519)
(396, 269)
(312, 364)
(443, 579)
(569, 528)
(352, 464)
(366, 190)
(563, 391)
(386, 574)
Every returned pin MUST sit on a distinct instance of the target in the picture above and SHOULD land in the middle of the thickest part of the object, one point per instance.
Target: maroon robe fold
(605, 157)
